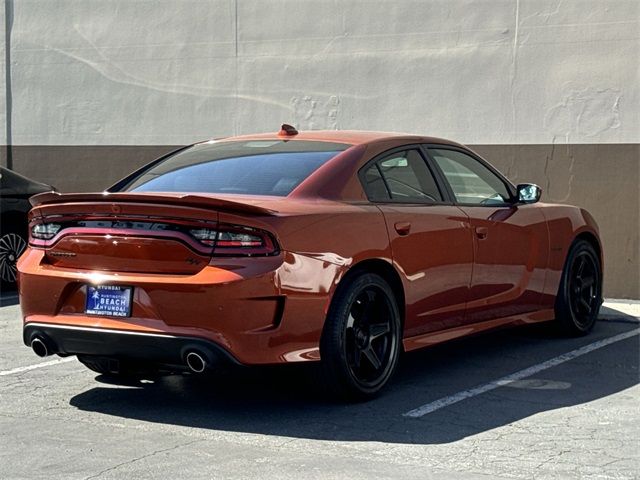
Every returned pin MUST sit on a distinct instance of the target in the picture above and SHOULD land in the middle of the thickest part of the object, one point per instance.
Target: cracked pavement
(580, 419)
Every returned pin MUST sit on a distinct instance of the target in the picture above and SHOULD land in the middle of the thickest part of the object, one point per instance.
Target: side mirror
(528, 193)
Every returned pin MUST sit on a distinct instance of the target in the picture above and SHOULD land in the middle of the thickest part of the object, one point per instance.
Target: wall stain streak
(8, 93)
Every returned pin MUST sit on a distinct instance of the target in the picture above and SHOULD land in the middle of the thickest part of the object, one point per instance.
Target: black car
(15, 191)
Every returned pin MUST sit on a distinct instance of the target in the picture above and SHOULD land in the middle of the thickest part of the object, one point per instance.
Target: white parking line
(527, 372)
(13, 371)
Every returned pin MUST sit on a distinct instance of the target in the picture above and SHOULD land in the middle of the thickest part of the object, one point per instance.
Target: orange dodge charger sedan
(338, 247)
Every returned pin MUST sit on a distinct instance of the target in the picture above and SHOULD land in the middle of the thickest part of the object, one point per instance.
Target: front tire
(580, 292)
(360, 342)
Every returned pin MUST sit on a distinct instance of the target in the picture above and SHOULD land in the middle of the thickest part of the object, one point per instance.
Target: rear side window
(403, 177)
(374, 185)
(273, 167)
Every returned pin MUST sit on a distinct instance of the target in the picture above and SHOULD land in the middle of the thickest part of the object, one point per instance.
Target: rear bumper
(265, 310)
(67, 340)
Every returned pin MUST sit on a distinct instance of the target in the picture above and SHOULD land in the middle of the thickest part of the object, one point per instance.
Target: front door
(510, 239)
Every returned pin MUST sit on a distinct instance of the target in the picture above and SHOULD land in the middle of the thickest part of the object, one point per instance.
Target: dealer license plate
(110, 300)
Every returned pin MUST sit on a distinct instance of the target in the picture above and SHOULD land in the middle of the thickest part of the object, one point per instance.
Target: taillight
(45, 231)
(232, 240)
(205, 235)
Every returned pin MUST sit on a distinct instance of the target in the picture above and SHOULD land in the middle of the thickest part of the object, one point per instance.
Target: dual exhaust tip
(196, 361)
(40, 347)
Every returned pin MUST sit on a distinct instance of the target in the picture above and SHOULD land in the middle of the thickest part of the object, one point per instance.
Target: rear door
(510, 240)
(431, 239)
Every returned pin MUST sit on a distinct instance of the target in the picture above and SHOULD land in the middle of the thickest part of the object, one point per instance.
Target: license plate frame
(108, 300)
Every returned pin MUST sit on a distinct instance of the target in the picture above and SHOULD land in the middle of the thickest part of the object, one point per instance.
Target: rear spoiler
(187, 199)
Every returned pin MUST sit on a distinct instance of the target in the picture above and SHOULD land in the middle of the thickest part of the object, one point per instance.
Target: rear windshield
(273, 167)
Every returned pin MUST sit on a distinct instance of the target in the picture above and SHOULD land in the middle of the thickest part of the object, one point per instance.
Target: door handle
(482, 232)
(403, 228)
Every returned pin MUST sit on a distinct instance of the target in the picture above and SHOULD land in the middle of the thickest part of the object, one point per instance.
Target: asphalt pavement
(517, 403)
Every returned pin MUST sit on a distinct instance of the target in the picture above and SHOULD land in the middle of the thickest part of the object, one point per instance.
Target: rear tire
(580, 292)
(360, 342)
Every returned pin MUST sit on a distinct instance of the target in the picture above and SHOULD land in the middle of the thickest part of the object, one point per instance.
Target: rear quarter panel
(319, 244)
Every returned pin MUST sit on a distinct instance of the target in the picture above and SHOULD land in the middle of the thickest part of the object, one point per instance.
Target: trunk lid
(130, 232)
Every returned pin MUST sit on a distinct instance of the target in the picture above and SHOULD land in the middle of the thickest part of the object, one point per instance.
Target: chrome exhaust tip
(196, 362)
(40, 348)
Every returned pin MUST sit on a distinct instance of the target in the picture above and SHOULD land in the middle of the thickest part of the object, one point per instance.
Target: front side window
(471, 182)
(264, 167)
(403, 177)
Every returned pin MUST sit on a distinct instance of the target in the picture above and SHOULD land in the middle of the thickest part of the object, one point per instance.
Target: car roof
(337, 179)
(352, 137)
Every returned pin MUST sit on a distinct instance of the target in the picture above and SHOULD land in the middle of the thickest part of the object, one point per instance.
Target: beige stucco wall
(166, 72)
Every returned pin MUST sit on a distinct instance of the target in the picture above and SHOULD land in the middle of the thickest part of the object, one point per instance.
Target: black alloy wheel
(369, 336)
(580, 296)
(361, 339)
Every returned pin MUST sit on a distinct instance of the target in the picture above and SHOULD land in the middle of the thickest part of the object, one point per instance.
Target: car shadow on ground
(8, 297)
(285, 401)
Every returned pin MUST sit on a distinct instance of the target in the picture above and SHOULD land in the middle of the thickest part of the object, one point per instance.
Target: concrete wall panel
(161, 72)
(93, 72)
